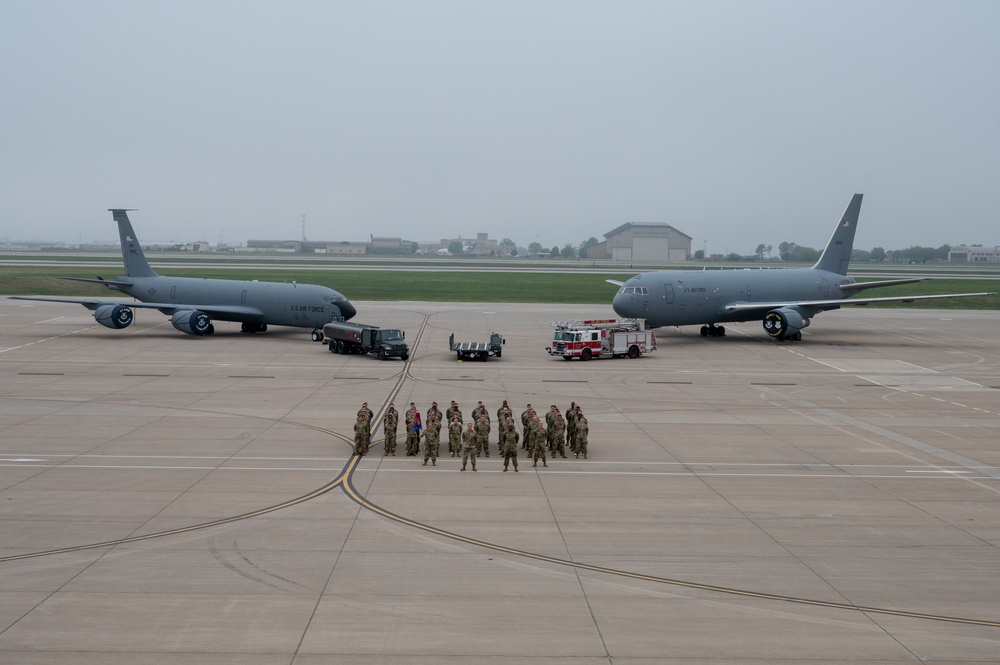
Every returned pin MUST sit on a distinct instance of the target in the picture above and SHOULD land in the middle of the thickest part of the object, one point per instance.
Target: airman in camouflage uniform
(508, 444)
(526, 420)
(558, 436)
(455, 436)
(582, 430)
(538, 442)
(389, 424)
(550, 425)
(413, 431)
(453, 410)
(362, 436)
(483, 434)
(433, 411)
(571, 426)
(469, 443)
(432, 439)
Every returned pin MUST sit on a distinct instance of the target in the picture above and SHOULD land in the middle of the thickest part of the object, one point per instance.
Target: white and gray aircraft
(785, 299)
(192, 303)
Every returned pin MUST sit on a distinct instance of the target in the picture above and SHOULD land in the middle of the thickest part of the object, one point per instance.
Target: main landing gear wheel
(713, 331)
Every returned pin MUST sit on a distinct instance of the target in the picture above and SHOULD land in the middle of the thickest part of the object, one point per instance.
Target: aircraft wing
(165, 307)
(106, 282)
(833, 304)
(860, 286)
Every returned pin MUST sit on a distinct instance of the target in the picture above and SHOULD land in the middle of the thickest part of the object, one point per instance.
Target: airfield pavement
(173, 499)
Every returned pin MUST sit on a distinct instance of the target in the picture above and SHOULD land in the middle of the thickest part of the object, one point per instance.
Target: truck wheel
(585, 354)
(567, 357)
(499, 351)
(333, 346)
(633, 351)
(340, 346)
(381, 354)
(405, 356)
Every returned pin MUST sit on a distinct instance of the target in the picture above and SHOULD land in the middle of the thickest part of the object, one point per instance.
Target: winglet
(837, 254)
(135, 261)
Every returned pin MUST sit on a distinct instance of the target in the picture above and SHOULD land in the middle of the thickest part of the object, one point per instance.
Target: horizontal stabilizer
(615, 282)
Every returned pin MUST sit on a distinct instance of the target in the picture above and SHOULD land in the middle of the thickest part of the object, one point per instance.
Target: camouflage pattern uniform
(526, 417)
(413, 433)
(434, 412)
(558, 436)
(469, 442)
(550, 425)
(453, 410)
(367, 413)
(508, 444)
(455, 437)
(389, 425)
(483, 434)
(571, 426)
(432, 439)
(538, 443)
(362, 436)
(582, 430)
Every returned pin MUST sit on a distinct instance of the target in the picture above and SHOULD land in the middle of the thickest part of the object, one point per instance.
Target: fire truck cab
(601, 338)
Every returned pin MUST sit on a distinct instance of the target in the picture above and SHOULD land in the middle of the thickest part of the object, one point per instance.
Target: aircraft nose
(619, 305)
(346, 309)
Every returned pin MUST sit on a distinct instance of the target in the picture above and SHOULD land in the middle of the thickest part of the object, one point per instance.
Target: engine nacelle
(114, 316)
(192, 322)
(784, 323)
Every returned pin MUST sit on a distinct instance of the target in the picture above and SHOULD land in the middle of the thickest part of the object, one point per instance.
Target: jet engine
(114, 316)
(784, 323)
(192, 322)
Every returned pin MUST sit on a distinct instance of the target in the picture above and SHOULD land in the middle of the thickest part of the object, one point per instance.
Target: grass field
(428, 285)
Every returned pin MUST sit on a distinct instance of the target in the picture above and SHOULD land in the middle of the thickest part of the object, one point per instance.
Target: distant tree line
(791, 252)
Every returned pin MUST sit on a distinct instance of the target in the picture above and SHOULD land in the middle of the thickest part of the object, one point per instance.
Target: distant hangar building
(643, 242)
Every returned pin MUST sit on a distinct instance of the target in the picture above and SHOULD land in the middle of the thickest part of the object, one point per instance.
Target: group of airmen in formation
(472, 439)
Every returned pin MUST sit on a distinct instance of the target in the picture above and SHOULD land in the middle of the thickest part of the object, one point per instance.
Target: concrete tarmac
(172, 499)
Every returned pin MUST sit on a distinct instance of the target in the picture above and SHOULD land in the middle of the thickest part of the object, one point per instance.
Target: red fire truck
(601, 338)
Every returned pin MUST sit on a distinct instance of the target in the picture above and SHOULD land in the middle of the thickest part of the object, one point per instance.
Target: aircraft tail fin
(837, 255)
(135, 261)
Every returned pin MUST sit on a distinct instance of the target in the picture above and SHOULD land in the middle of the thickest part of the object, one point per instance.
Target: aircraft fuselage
(688, 297)
(274, 303)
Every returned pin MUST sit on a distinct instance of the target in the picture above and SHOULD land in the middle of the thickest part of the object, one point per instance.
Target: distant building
(389, 246)
(643, 242)
(483, 245)
(347, 248)
(966, 254)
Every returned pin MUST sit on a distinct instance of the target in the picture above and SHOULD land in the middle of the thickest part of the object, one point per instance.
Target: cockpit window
(637, 290)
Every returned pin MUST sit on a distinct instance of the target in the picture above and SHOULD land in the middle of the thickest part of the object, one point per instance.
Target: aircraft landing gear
(317, 335)
(251, 327)
(713, 331)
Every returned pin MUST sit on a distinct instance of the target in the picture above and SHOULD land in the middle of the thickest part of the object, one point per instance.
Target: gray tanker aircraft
(785, 299)
(192, 303)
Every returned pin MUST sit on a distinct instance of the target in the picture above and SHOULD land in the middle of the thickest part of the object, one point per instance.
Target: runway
(167, 498)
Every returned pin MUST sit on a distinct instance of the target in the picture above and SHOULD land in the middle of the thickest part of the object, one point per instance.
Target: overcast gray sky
(736, 122)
